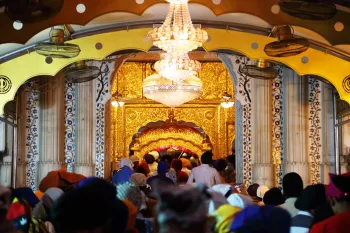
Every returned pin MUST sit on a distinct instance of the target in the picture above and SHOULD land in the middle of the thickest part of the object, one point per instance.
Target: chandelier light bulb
(121, 104)
(177, 67)
(115, 103)
(177, 34)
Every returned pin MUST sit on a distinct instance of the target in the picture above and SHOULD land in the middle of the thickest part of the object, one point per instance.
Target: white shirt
(289, 206)
(204, 174)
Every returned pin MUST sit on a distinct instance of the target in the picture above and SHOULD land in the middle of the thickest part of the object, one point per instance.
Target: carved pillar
(6, 152)
(315, 129)
(51, 134)
(32, 136)
(70, 129)
(327, 132)
(261, 122)
(277, 128)
(295, 130)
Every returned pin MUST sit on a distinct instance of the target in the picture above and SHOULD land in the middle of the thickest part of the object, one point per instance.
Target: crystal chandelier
(177, 35)
(169, 93)
(177, 67)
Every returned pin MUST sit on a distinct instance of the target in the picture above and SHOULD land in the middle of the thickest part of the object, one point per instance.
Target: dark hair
(207, 157)
(274, 197)
(149, 159)
(141, 170)
(292, 185)
(342, 182)
(89, 207)
(252, 190)
(231, 159)
(176, 164)
(220, 165)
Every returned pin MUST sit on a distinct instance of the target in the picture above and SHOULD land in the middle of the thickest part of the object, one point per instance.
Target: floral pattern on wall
(70, 125)
(244, 112)
(277, 127)
(103, 94)
(32, 136)
(315, 124)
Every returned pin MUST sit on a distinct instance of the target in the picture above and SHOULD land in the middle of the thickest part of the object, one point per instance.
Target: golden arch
(20, 69)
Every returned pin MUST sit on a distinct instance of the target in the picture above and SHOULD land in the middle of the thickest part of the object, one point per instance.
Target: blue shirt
(123, 175)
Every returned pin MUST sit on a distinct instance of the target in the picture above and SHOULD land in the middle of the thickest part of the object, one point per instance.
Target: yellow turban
(224, 216)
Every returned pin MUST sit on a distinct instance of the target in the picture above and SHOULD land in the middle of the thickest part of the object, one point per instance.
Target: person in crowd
(6, 226)
(182, 176)
(42, 210)
(312, 197)
(338, 192)
(261, 219)
(132, 212)
(185, 164)
(151, 162)
(224, 216)
(91, 208)
(130, 192)
(239, 200)
(162, 173)
(135, 160)
(204, 174)
(125, 171)
(274, 197)
(260, 192)
(180, 209)
(195, 159)
(224, 189)
(143, 168)
(220, 165)
(292, 187)
(27, 194)
(252, 192)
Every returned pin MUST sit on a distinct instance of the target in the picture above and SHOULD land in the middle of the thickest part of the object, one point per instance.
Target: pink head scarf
(334, 191)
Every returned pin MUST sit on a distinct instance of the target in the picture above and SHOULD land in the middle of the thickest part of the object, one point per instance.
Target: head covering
(138, 179)
(132, 212)
(130, 192)
(292, 184)
(239, 200)
(134, 158)
(261, 191)
(90, 207)
(312, 197)
(28, 195)
(155, 154)
(224, 189)
(182, 177)
(216, 200)
(162, 168)
(42, 209)
(60, 179)
(39, 194)
(185, 162)
(224, 216)
(145, 166)
(19, 214)
(125, 162)
(262, 219)
(194, 164)
(335, 187)
(176, 164)
(273, 197)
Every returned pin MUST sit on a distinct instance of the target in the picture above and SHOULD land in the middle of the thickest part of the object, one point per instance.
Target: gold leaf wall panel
(218, 123)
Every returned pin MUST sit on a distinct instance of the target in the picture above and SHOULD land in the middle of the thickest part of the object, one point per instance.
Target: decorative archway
(170, 133)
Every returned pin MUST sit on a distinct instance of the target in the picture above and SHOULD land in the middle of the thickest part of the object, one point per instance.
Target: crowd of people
(172, 195)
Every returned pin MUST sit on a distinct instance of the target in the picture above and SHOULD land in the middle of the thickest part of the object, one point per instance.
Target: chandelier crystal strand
(177, 34)
(169, 93)
(177, 68)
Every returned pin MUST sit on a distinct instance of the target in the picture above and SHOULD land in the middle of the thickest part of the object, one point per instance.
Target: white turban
(222, 188)
(239, 200)
(125, 162)
(261, 191)
(155, 154)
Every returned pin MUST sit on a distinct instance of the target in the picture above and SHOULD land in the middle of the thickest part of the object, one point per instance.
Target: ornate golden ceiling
(94, 8)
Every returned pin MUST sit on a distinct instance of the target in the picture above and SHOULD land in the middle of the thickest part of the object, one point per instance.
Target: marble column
(262, 165)
(51, 133)
(85, 129)
(295, 131)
